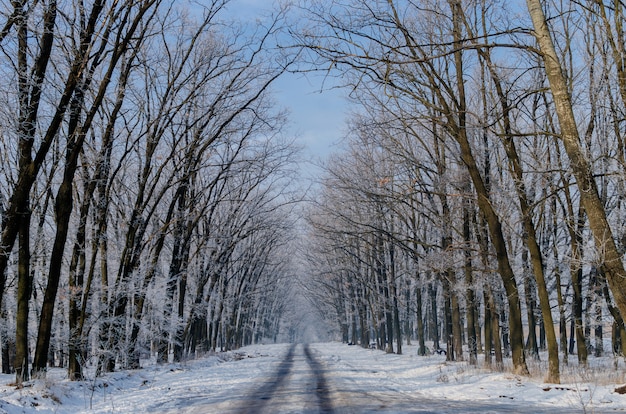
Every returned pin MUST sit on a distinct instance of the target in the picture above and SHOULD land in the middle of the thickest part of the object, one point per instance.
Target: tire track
(258, 401)
(322, 391)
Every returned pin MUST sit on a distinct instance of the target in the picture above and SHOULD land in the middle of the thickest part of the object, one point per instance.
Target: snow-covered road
(324, 379)
(298, 385)
(320, 378)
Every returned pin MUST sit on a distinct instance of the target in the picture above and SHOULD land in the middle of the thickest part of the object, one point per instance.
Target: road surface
(307, 381)
(298, 385)
(302, 383)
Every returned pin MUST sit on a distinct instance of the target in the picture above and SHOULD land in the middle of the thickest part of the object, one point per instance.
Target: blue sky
(317, 116)
(317, 113)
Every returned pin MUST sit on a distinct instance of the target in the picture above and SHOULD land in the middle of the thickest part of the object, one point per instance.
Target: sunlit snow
(334, 378)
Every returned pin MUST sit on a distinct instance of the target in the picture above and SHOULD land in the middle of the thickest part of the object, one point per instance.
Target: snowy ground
(333, 378)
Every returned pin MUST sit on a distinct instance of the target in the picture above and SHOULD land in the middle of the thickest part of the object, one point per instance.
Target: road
(303, 384)
(298, 385)
(305, 380)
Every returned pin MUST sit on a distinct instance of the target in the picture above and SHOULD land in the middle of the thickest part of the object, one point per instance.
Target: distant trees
(147, 200)
(462, 107)
(143, 141)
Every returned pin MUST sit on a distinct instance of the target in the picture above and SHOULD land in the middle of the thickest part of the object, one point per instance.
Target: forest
(151, 205)
(479, 201)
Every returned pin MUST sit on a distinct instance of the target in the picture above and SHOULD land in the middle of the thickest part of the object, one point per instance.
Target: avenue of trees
(479, 199)
(149, 204)
(145, 183)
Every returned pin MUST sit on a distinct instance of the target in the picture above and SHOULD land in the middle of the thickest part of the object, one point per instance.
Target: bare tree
(132, 15)
(590, 198)
(385, 54)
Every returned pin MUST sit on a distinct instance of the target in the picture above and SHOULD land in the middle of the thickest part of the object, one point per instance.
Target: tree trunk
(179, 336)
(433, 320)
(531, 343)
(504, 266)
(457, 327)
(489, 346)
(470, 297)
(24, 291)
(599, 348)
(447, 315)
(408, 329)
(77, 288)
(619, 332)
(590, 199)
(419, 322)
(63, 210)
(576, 272)
(8, 355)
(495, 334)
(394, 297)
(559, 293)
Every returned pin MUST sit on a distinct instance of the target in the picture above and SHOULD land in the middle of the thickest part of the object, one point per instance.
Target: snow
(353, 379)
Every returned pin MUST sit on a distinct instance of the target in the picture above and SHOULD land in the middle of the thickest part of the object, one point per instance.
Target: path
(315, 379)
(298, 385)
(307, 381)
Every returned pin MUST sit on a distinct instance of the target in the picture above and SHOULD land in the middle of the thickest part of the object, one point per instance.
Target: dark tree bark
(394, 294)
(16, 219)
(488, 344)
(24, 291)
(434, 319)
(575, 225)
(470, 297)
(419, 321)
(532, 344)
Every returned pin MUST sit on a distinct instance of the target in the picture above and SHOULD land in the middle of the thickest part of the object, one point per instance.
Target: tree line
(146, 187)
(479, 200)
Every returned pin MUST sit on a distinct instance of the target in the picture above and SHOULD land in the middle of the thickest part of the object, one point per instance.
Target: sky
(317, 117)
(317, 111)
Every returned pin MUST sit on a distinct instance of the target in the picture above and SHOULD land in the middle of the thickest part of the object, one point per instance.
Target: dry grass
(599, 371)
